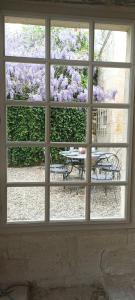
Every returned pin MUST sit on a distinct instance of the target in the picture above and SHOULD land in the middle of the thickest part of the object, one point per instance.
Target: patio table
(75, 156)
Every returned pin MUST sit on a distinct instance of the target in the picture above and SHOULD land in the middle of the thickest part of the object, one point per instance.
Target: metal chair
(77, 164)
(111, 166)
(59, 169)
(107, 167)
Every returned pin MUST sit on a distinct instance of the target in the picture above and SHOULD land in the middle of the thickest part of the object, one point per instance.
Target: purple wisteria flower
(101, 96)
(67, 83)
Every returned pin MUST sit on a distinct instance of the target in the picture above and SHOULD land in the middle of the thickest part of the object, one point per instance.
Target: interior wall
(66, 258)
(56, 259)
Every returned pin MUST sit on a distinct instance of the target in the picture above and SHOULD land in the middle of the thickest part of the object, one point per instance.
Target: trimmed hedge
(28, 124)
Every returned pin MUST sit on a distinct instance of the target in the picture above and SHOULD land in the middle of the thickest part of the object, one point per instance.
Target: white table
(75, 156)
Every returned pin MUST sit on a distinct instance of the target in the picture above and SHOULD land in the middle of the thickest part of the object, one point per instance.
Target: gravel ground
(27, 203)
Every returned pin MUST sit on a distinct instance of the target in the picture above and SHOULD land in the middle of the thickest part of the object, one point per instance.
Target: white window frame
(87, 223)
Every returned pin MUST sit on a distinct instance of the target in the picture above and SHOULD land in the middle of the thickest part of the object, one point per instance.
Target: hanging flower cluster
(68, 83)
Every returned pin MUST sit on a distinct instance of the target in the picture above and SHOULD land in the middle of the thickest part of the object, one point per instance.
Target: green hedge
(27, 124)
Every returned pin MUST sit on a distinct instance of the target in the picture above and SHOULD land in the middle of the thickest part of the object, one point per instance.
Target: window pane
(25, 81)
(109, 125)
(26, 123)
(67, 164)
(69, 40)
(25, 204)
(111, 85)
(68, 124)
(67, 203)
(112, 42)
(26, 164)
(108, 164)
(107, 202)
(25, 37)
(69, 83)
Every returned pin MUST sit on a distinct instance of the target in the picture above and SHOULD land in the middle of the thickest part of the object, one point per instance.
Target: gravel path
(27, 203)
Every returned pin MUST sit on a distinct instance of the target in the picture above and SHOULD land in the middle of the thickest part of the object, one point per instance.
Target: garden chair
(77, 164)
(59, 169)
(106, 167)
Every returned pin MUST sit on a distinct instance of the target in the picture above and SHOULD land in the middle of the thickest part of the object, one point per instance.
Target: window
(66, 122)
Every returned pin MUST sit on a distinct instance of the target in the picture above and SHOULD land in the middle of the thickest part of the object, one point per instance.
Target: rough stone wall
(66, 259)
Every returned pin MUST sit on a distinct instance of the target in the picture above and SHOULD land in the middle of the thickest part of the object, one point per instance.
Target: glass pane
(68, 124)
(69, 40)
(25, 204)
(111, 85)
(67, 203)
(107, 202)
(69, 83)
(26, 123)
(26, 164)
(108, 164)
(67, 164)
(112, 42)
(25, 81)
(25, 37)
(109, 125)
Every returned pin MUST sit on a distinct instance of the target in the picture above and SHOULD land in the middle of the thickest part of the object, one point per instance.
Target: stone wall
(66, 259)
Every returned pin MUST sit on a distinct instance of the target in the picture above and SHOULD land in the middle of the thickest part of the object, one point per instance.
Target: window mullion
(69, 62)
(47, 121)
(89, 119)
(29, 60)
(107, 64)
(3, 165)
(130, 122)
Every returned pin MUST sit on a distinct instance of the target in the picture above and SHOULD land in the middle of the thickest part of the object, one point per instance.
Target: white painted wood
(41, 103)
(25, 144)
(110, 105)
(106, 64)
(129, 205)
(69, 62)
(79, 183)
(28, 103)
(89, 120)
(27, 60)
(68, 144)
(48, 61)
(111, 145)
(3, 175)
(47, 123)
(70, 104)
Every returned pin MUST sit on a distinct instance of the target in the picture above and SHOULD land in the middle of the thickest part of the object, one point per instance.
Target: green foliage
(28, 124)
(68, 125)
(23, 157)
(25, 124)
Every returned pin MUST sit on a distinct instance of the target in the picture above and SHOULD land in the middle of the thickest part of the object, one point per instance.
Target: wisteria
(25, 81)
(69, 43)
(68, 83)
(100, 95)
